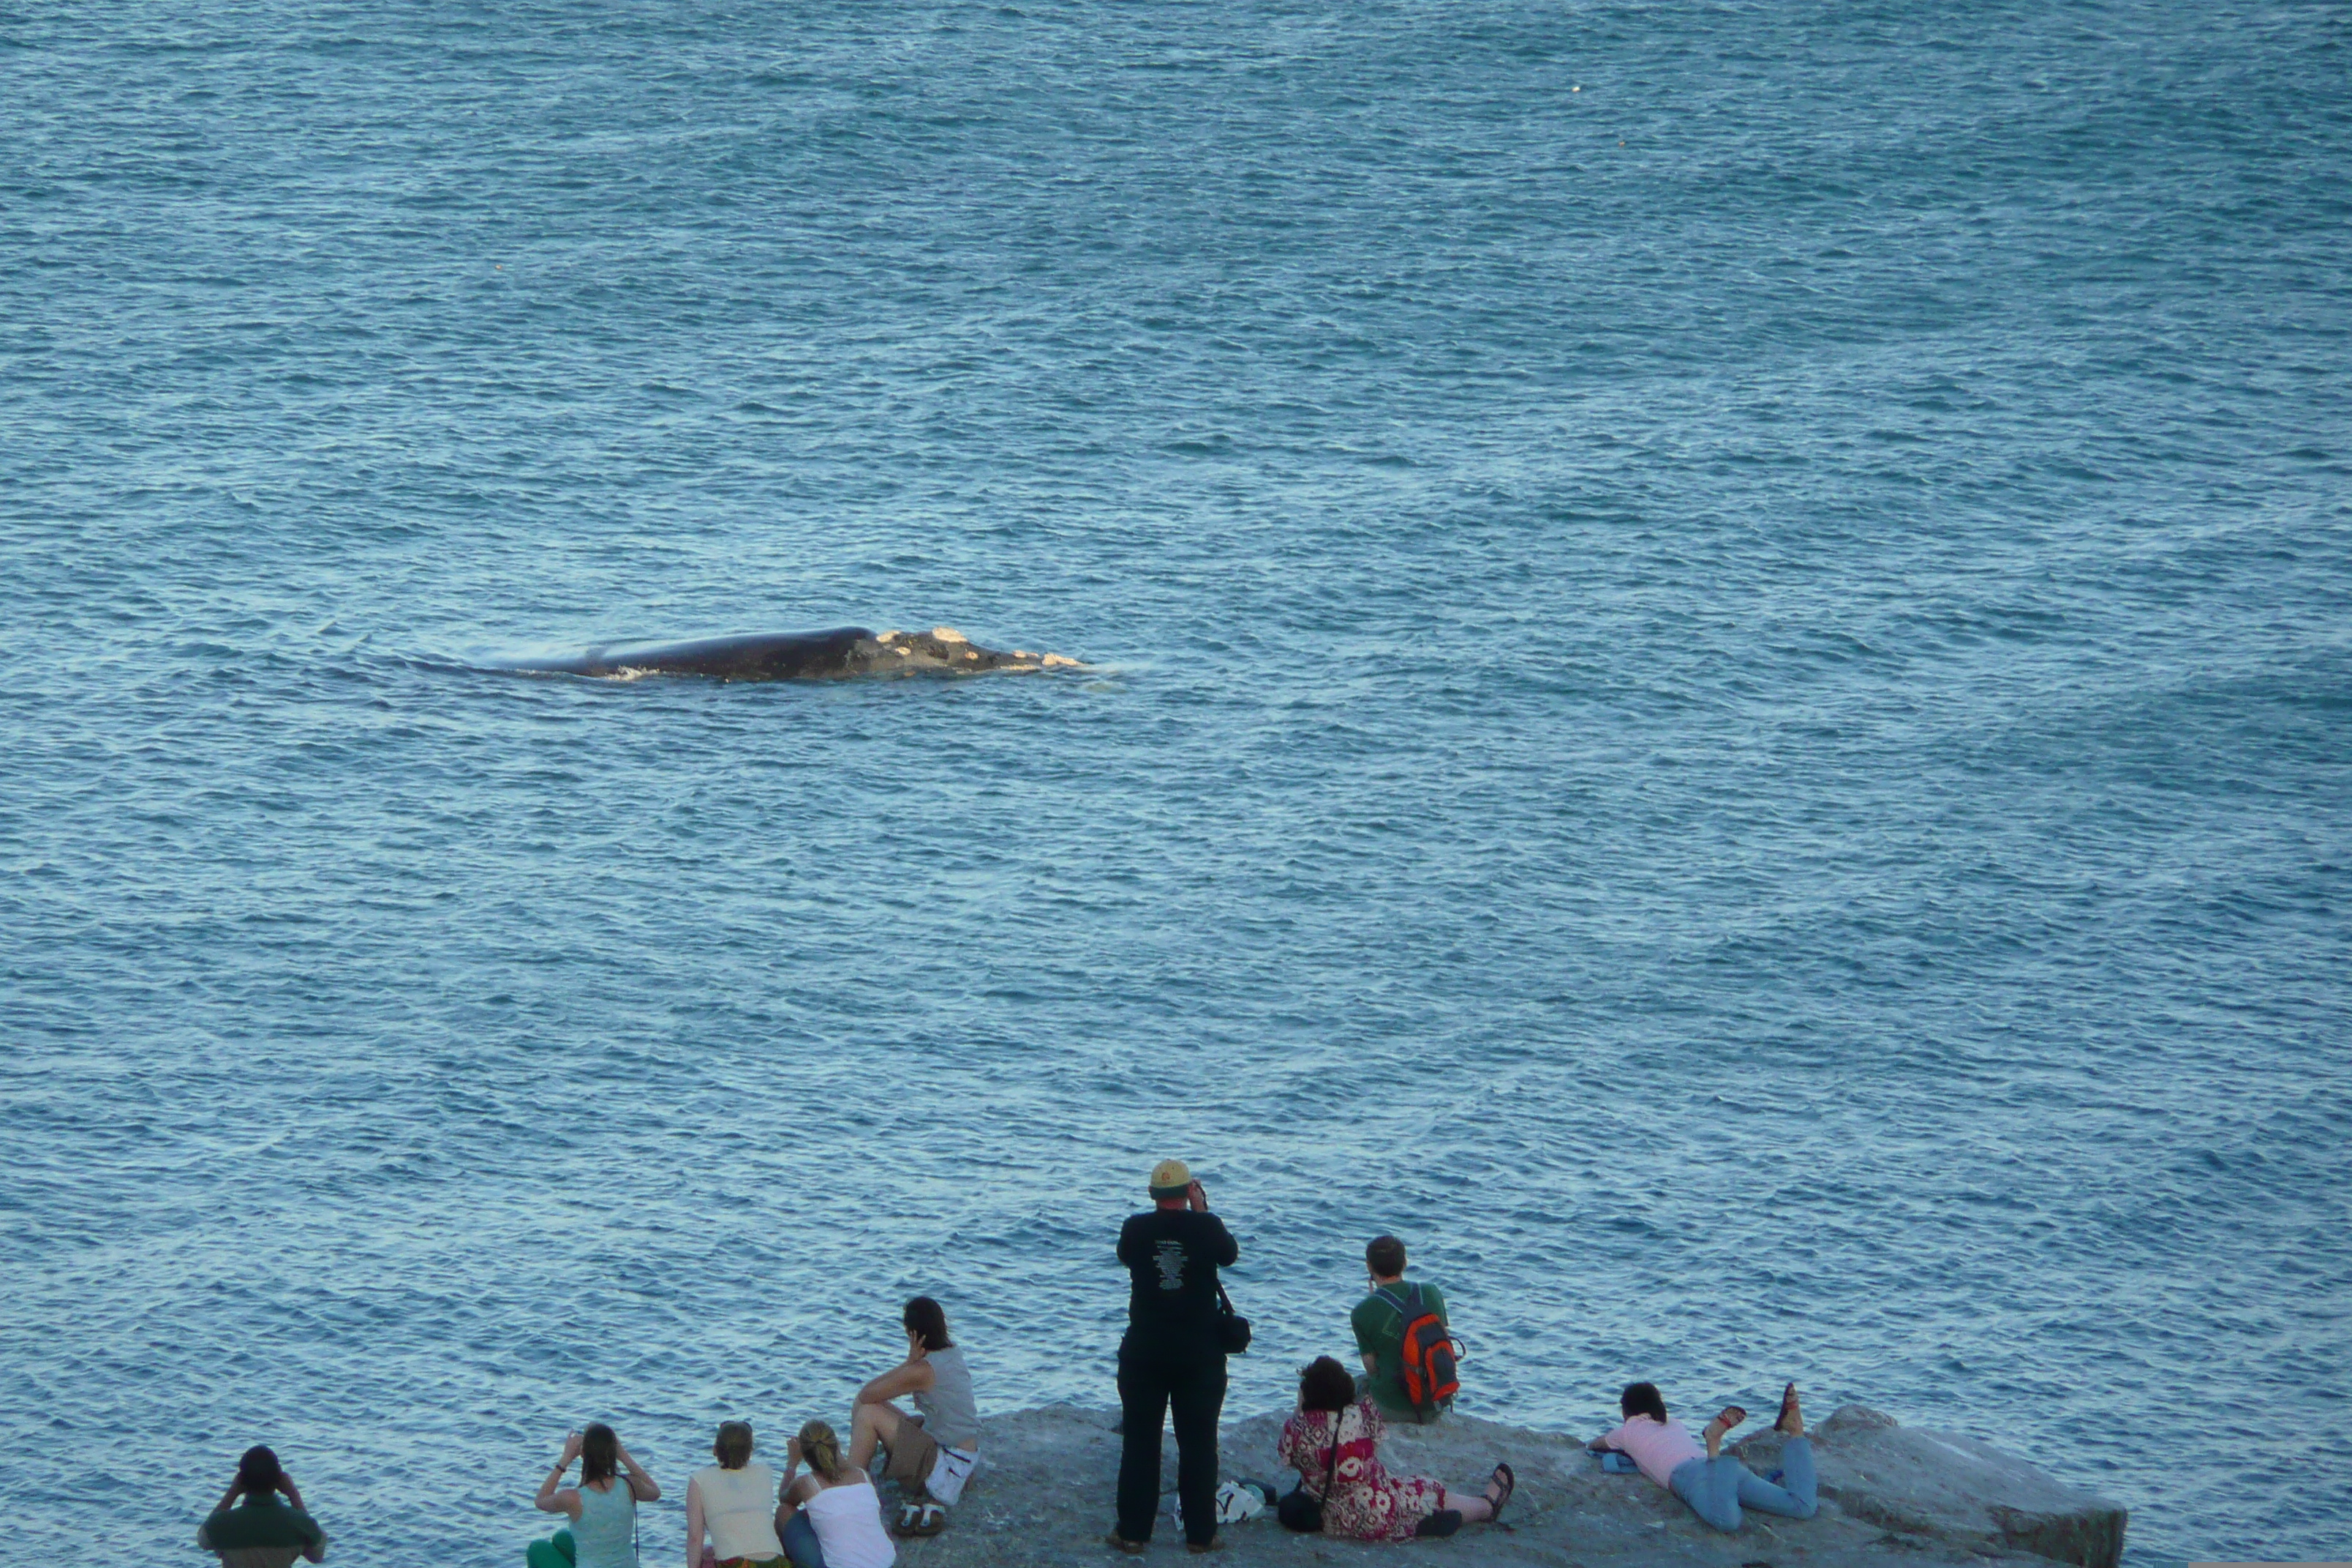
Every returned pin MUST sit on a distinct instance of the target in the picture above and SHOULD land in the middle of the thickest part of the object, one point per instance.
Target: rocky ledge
(1890, 1494)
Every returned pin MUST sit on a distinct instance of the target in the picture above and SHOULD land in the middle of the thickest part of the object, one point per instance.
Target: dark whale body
(792, 656)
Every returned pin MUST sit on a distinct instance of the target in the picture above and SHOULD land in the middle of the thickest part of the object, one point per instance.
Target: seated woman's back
(840, 1502)
(847, 1515)
(738, 1508)
(605, 1534)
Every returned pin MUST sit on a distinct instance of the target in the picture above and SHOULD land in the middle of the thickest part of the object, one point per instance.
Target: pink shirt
(1657, 1448)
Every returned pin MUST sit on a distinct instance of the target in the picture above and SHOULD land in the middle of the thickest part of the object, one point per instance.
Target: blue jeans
(800, 1543)
(1716, 1488)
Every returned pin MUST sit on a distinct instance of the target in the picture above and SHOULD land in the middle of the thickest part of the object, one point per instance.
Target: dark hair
(1325, 1385)
(926, 1316)
(600, 1454)
(1642, 1399)
(259, 1473)
(1385, 1257)
(733, 1448)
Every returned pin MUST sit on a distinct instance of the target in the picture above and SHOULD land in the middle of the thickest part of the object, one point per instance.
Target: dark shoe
(1792, 1414)
(1213, 1543)
(1119, 1543)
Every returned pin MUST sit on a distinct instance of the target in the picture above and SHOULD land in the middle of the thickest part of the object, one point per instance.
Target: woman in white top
(832, 1517)
(730, 1500)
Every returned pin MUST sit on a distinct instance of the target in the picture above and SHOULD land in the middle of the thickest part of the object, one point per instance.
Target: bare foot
(1729, 1416)
(1791, 1423)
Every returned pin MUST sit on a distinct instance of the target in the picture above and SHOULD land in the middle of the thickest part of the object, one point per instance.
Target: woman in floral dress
(1362, 1501)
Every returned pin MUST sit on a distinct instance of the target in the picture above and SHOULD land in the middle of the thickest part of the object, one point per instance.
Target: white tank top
(848, 1524)
(738, 1508)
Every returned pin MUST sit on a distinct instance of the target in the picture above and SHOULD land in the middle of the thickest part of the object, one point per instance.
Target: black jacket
(1171, 1257)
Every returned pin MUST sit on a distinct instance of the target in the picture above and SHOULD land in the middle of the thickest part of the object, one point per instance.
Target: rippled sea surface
(1723, 694)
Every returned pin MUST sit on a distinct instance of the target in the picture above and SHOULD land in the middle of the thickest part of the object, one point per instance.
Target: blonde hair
(821, 1449)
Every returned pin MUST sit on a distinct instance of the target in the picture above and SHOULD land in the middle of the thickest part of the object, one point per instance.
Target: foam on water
(1724, 696)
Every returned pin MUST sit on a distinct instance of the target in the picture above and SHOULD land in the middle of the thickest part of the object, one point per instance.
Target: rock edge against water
(1889, 1494)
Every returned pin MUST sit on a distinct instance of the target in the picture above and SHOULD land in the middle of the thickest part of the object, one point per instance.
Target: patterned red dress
(1365, 1502)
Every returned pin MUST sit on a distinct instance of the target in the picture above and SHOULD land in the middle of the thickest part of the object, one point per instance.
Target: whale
(841, 653)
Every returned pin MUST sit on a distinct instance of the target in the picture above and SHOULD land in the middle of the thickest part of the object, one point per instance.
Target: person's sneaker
(1214, 1543)
(1119, 1543)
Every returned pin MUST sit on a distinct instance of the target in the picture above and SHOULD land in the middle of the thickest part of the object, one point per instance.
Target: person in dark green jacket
(264, 1531)
(1379, 1321)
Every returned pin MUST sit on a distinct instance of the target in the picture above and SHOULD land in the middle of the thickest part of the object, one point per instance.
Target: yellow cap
(1171, 1179)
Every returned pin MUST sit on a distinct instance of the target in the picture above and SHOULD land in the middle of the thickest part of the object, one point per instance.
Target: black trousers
(1155, 1375)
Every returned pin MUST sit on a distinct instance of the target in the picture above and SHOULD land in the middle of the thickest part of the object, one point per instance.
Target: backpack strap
(1407, 1313)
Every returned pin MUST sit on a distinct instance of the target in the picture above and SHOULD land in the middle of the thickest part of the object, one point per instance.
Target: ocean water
(1722, 692)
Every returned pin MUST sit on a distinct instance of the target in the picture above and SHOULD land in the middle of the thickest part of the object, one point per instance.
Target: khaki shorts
(912, 1452)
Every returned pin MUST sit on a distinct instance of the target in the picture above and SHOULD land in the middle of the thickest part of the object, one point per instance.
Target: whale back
(759, 656)
(796, 656)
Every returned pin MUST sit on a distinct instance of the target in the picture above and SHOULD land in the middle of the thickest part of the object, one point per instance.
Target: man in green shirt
(268, 1530)
(1379, 1327)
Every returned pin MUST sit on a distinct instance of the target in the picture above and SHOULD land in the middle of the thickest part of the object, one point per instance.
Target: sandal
(1724, 1421)
(1788, 1409)
(1509, 1481)
(920, 1518)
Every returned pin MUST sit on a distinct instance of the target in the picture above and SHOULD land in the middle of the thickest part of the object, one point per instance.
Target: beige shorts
(912, 1452)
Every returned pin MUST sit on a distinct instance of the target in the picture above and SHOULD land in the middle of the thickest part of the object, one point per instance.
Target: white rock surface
(1944, 1486)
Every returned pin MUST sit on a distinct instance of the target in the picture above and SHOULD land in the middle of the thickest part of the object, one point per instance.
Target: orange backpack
(1429, 1355)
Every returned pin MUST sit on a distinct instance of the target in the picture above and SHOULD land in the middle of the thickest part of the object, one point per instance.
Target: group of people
(739, 1514)
(1171, 1363)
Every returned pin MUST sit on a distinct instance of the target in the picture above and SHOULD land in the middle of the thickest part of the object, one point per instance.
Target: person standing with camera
(1173, 1357)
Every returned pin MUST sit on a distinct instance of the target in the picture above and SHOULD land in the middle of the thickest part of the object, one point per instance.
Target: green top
(260, 1521)
(1380, 1334)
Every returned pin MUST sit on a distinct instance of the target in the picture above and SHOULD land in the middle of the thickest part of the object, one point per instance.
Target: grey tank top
(948, 1413)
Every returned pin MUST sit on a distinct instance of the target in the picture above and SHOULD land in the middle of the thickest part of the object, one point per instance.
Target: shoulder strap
(1385, 1294)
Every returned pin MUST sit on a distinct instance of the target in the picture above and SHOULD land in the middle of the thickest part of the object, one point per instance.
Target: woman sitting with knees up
(734, 1502)
(1333, 1442)
(933, 1451)
(1715, 1484)
(602, 1508)
(832, 1517)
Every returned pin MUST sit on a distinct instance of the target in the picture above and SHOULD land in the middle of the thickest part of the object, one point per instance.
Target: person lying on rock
(1715, 1484)
(931, 1451)
(1360, 1499)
